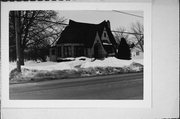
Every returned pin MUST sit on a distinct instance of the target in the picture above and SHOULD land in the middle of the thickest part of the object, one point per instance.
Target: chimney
(108, 24)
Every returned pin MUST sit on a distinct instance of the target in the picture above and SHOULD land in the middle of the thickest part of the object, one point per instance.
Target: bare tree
(138, 30)
(121, 33)
(37, 29)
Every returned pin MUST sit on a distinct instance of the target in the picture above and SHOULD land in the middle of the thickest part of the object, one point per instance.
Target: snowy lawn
(77, 67)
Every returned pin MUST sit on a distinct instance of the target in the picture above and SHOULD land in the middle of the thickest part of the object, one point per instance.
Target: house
(84, 39)
(136, 53)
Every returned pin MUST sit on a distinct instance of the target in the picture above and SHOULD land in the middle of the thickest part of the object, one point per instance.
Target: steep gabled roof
(84, 33)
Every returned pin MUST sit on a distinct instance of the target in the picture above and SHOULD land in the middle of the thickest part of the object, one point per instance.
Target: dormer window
(104, 34)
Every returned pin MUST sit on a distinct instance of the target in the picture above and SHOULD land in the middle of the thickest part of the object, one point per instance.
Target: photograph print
(76, 55)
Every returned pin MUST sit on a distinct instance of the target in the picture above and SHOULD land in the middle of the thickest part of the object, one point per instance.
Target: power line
(64, 24)
(128, 33)
(111, 31)
(128, 13)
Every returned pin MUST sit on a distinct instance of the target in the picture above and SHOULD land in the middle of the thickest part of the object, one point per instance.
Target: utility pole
(17, 31)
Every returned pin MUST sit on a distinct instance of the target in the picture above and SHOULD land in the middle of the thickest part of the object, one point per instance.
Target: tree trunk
(22, 56)
(17, 31)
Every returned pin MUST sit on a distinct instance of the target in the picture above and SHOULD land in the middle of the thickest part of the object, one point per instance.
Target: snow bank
(140, 61)
(49, 66)
(12, 65)
(79, 62)
(108, 62)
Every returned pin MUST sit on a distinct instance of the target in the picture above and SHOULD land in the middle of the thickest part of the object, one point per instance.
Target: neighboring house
(136, 53)
(84, 39)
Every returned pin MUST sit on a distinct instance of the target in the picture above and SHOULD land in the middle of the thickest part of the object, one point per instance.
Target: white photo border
(147, 81)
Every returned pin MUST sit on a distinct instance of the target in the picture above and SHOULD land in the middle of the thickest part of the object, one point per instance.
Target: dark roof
(84, 33)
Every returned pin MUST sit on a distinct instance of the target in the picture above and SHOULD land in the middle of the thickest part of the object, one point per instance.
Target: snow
(79, 62)
(48, 66)
(140, 61)
(108, 62)
(12, 65)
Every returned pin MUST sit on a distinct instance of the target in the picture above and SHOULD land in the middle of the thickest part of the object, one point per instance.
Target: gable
(105, 37)
(97, 40)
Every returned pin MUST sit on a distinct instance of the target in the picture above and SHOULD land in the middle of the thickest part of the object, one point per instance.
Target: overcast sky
(93, 16)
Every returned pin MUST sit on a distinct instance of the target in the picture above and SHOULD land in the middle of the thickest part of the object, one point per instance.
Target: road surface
(121, 86)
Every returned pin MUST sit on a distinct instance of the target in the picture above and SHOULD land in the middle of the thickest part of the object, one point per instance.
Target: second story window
(104, 34)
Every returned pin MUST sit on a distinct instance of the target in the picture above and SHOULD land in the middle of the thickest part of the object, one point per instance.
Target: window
(67, 51)
(59, 52)
(53, 51)
(79, 51)
(104, 34)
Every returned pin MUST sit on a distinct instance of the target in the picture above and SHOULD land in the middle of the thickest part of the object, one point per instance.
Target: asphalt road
(122, 86)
